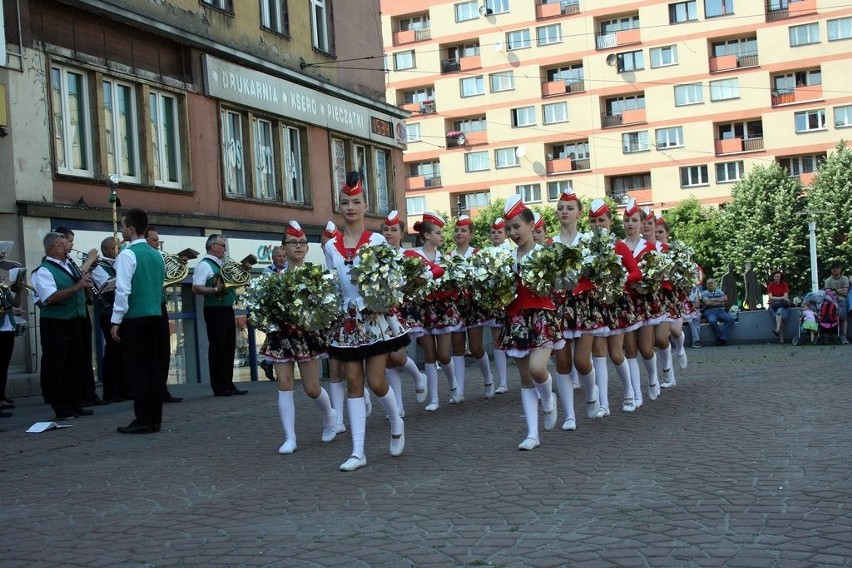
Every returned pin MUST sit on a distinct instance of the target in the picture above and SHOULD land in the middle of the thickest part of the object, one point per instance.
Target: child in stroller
(822, 305)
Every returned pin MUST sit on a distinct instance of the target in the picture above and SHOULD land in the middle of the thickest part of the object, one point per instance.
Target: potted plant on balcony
(455, 138)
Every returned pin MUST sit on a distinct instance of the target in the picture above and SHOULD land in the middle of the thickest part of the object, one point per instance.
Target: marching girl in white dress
(362, 339)
(568, 211)
(438, 313)
(685, 309)
(648, 307)
(539, 229)
(530, 330)
(473, 316)
(393, 229)
(497, 236)
(291, 345)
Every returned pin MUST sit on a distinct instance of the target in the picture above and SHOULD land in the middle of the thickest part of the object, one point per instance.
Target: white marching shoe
(432, 407)
(329, 429)
(681, 359)
(353, 463)
(489, 390)
(529, 444)
(397, 445)
(629, 405)
(569, 424)
(593, 407)
(287, 448)
(420, 388)
(653, 390)
(550, 414)
(668, 379)
(501, 389)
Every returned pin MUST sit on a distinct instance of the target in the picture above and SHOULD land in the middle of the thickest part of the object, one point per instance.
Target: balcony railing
(545, 9)
(581, 164)
(434, 181)
(450, 65)
(737, 145)
(421, 182)
(609, 120)
(411, 36)
(791, 9)
(622, 37)
(562, 86)
(733, 61)
(797, 95)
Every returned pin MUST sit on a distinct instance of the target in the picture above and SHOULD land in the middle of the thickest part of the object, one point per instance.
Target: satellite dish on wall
(520, 151)
(485, 11)
(611, 59)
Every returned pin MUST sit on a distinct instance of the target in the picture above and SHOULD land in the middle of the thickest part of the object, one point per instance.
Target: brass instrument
(176, 269)
(235, 274)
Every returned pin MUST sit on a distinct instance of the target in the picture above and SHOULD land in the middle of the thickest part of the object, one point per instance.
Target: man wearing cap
(839, 284)
(218, 317)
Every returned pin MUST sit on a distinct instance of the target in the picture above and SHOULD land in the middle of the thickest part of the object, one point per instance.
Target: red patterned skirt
(528, 330)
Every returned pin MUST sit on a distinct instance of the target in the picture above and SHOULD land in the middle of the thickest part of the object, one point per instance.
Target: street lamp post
(812, 238)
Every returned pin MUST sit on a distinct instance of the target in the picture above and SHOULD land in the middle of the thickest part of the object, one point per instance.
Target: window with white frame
(554, 112)
(419, 22)
(524, 116)
(689, 94)
(737, 46)
(472, 86)
(466, 11)
(804, 34)
(630, 61)
(339, 166)
(363, 166)
(121, 127)
(840, 28)
(415, 205)
(497, 6)
(663, 56)
(165, 139)
(787, 82)
(467, 201)
(691, 176)
(418, 95)
(729, 172)
(404, 60)
(233, 153)
(568, 73)
(321, 25)
(477, 124)
(547, 35)
(843, 116)
(274, 16)
(683, 12)
(226, 5)
(556, 188)
(518, 39)
(671, 137)
(810, 120)
(798, 165)
(476, 162)
(574, 150)
(724, 89)
(634, 142)
(295, 165)
(382, 165)
(506, 158)
(630, 182)
(72, 125)
(713, 8)
(412, 132)
(529, 192)
(617, 105)
(619, 24)
(502, 81)
(264, 160)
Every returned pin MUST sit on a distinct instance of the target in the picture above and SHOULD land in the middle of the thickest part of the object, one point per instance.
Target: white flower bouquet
(380, 277)
(602, 265)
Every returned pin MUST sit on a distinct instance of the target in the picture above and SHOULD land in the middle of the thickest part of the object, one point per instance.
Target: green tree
(764, 225)
(698, 226)
(830, 203)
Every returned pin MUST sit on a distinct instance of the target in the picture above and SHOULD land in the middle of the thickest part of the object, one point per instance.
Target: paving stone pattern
(745, 463)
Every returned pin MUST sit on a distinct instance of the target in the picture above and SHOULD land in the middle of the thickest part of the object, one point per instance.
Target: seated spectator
(779, 303)
(840, 285)
(713, 301)
(695, 321)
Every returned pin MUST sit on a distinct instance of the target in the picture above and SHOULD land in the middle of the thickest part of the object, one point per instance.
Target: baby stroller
(824, 305)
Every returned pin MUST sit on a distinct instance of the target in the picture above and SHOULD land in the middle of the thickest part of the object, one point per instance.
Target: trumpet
(87, 258)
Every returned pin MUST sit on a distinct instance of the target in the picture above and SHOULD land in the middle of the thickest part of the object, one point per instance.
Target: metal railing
(609, 120)
(581, 164)
(752, 144)
(575, 85)
(450, 65)
(747, 60)
(605, 41)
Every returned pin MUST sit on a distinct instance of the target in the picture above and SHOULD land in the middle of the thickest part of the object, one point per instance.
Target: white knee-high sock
(432, 382)
(588, 382)
(626, 385)
(458, 370)
(573, 375)
(545, 391)
(500, 366)
(566, 394)
(529, 402)
(323, 403)
(357, 424)
(410, 367)
(338, 400)
(635, 379)
(677, 342)
(602, 380)
(287, 411)
(485, 369)
(450, 373)
(651, 368)
(395, 383)
(388, 403)
(665, 356)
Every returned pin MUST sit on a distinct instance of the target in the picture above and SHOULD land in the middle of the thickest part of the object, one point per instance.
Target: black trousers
(140, 341)
(222, 339)
(65, 362)
(7, 345)
(164, 351)
(112, 376)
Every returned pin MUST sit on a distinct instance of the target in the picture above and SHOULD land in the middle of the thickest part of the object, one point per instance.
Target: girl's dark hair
(352, 178)
(774, 272)
(527, 215)
(401, 226)
(665, 225)
(642, 215)
(423, 227)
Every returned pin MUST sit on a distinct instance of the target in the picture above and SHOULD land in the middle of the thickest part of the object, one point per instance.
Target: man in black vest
(218, 317)
(63, 323)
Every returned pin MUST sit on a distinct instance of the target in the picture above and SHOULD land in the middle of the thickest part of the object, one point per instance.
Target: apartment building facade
(215, 116)
(650, 99)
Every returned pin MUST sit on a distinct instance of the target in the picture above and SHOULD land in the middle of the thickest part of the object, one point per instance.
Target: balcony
(797, 95)
(632, 116)
(544, 9)
(806, 178)
(461, 64)
(562, 86)
(642, 196)
(422, 182)
(790, 9)
(457, 139)
(738, 145)
(411, 36)
(733, 61)
(623, 37)
(562, 165)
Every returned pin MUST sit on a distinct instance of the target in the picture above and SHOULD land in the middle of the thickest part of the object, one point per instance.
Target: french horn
(176, 269)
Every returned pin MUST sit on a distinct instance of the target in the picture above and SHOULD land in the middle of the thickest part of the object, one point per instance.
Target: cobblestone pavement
(745, 463)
